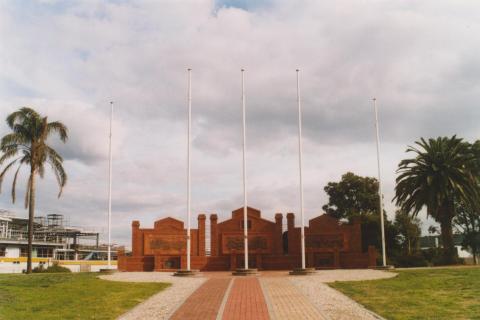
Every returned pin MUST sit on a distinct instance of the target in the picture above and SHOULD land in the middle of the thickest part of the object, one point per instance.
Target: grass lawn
(69, 296)
(450, 293)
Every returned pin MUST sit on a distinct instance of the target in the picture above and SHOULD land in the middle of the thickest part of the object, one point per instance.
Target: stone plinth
(245, 272)
(302, 271)
(186, 273)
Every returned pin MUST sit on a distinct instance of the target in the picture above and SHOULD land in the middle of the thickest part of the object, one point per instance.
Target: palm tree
(444, 170)
(27, 145)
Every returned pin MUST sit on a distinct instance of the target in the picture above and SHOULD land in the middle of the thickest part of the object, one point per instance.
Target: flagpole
(109, 252)
(245, 216)
(188, 165)
(302, 230)
(380, 193)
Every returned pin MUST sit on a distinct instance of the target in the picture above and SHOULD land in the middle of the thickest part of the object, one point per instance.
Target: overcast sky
(69, 59)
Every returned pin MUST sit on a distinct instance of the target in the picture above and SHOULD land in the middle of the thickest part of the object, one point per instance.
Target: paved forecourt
(272, 295)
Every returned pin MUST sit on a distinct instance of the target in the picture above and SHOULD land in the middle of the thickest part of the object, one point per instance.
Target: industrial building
(53, 241)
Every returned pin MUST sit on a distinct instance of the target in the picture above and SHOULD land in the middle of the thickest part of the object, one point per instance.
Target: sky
(69, 59)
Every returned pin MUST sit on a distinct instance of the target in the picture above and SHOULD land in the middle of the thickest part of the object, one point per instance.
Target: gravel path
(163, 304)
(333, 304)
(351, 275)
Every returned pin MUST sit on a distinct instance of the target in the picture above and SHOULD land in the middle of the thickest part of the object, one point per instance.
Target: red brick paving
(246, 301)
(204, 303)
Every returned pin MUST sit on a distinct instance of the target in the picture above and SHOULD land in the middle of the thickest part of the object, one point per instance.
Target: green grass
(450, 293)
(69, 296)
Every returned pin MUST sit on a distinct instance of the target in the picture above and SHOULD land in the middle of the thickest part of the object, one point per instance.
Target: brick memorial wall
(328, 244)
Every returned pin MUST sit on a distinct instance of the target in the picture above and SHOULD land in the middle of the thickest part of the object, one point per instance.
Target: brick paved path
(246, 301)
(248, 298)
(287, 302)
(205, 302)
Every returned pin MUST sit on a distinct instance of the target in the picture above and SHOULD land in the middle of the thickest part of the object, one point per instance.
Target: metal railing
(19, 235)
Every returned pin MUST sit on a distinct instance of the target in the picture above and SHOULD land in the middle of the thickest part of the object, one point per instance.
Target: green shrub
(435, 257)
(55, 268)
(409, 261)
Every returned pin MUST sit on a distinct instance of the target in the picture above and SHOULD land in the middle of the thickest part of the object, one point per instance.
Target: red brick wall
(213, 235)
(201, 235)
(330, 244)
(278, 239)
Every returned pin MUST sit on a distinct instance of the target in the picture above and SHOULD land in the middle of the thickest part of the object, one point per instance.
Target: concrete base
(245, 272)
(302, 272)
(387, 267)
(186, 273)
(107, 271)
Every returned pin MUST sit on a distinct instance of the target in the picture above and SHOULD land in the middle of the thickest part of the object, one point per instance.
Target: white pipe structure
(302, 227)
(380, 193)
(245, 215)
(189, 101)
(109, 254)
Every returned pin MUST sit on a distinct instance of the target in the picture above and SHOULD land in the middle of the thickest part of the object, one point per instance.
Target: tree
(409, 231)
(467, 222)
(357, 197)
(442, 171)
(27, 145)
(352, 196)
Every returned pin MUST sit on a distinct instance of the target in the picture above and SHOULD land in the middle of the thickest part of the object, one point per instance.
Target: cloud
(69, 61)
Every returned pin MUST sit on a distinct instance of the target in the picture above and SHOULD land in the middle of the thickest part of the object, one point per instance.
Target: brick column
(278, 233)
(137, 239)
(310, 263)
(120, 251)
(258, 260)
(356, 236)
(213, 235)
(233, 260)
(291, 237)
(372, 256)
(201, 235)
(336, 258)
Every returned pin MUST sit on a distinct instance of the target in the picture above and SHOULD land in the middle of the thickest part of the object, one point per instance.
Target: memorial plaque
(315, 242)
(165, 244)
(257, 243)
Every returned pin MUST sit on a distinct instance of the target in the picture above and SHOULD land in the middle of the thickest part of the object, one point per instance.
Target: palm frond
(5, 171)
(14, 184)
(59, 128)
(7, 155)
(60, 174)
(22, 115)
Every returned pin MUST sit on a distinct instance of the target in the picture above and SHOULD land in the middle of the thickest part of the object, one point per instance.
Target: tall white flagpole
(245, 217)
(380, 193)
(188, 164)
(302, 230)
(109, 254)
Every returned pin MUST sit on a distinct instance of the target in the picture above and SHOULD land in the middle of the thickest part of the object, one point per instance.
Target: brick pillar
(278, 233)
(137, 239)
(310, 263)
(336, 258)
(258, 260)
(356, 235)
(201, 235)
(233, 260)
(120, 251)
(213, 235)
(291, 237)
(372, 256)
(183, 262)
